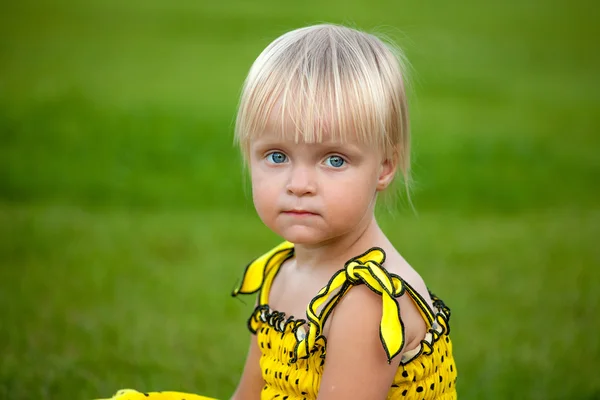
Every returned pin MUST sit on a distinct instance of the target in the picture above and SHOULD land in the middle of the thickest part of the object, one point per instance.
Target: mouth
(299, 213)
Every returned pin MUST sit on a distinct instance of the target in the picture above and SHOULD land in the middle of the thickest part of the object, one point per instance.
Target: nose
(301, 181)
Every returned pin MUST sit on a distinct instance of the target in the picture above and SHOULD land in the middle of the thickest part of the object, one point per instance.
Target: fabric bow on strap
(260, 273)
(364, 269)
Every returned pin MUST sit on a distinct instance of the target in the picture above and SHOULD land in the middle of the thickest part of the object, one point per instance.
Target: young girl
(323, 126)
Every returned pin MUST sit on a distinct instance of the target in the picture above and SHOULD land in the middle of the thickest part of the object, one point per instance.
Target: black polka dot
(405, 374)
(432, 386)
(442, 358)
(404, 392)
(441, 379)
(451, 369)
(447, 339)
(419, 389)
(297, 381)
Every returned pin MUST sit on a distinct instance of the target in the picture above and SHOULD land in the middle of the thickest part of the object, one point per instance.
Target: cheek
(263, 193)
(352, 196)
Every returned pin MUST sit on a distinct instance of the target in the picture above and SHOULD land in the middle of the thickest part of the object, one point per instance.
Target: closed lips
(299, 212)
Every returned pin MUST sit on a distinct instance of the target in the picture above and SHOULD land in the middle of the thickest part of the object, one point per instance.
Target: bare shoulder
(361, 309)
(396, 264)
(359, 351)
(362, 300)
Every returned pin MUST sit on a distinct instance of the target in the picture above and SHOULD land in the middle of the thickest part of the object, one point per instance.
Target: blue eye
(277, 157)
(335, 161)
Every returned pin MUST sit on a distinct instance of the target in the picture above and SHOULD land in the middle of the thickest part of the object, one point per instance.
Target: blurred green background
(125, 219)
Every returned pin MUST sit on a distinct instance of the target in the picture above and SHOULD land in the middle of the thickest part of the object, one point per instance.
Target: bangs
(325, 83)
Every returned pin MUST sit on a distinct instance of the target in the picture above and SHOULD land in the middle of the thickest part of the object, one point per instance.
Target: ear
(386, 174)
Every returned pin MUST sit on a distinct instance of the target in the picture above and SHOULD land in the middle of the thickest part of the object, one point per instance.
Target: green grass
(125, 219)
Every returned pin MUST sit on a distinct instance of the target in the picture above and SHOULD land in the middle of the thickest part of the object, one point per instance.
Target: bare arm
(251, 382)
(356, 366)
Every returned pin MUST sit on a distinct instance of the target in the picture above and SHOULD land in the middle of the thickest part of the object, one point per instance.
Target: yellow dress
(294, 350)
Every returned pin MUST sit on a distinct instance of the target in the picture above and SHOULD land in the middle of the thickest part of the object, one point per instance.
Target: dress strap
(421, 304)
(260, 273)
(364, 269)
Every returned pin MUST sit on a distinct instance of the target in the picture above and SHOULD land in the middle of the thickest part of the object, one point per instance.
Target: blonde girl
(323, 126)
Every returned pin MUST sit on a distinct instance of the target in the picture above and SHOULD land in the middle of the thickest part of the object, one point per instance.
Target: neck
(336, 251)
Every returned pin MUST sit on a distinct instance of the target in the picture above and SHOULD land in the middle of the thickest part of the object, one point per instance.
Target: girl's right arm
(251, 382)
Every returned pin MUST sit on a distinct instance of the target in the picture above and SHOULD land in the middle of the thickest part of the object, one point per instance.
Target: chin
(302, 235)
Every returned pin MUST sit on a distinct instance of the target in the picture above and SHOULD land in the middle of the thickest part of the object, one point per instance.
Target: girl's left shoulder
(375, 303)
(363, 312)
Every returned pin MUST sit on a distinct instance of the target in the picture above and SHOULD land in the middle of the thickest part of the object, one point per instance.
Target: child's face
(309, 193)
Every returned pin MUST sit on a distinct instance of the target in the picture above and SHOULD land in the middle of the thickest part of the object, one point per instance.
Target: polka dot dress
(294, 351)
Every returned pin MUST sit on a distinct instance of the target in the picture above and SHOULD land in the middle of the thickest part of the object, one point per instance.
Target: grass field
(125, 220)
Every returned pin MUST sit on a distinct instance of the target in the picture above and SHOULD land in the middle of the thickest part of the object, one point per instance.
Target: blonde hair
(329, 79)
